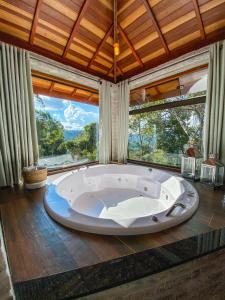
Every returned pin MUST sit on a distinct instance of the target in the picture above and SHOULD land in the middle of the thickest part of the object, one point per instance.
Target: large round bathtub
(120, 199)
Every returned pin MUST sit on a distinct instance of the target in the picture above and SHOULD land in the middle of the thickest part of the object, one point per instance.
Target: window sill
(69, 168)
(158, 166)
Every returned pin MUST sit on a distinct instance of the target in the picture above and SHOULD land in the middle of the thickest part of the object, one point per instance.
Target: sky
(72, 115)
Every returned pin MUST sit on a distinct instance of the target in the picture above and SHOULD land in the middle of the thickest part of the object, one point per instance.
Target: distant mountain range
(71, 134)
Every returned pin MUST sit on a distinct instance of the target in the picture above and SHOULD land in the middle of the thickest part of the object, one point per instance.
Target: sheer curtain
(105, 123)
(123, 116)
(214, 128)
(18, 136)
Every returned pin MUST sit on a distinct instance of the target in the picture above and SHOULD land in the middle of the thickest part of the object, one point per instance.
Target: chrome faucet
(173, 207)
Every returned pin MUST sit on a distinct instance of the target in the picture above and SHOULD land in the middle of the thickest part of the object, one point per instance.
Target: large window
(67, 129)
(166, 117)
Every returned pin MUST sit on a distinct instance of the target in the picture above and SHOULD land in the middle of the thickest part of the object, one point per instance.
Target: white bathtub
(120, 200)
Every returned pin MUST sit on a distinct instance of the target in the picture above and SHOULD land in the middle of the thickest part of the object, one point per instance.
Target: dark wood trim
(153, 165)
(156, 26)
(129, 44)
(119, 69)
(52, 171)
(199, 19)
(76, 26)
(100, 45)
(35, 20)
(4, 37)
(111, 69)
(169, 105)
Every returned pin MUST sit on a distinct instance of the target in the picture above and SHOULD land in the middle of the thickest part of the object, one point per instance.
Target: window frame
(168, 105)
(65, 168)
(49, 92)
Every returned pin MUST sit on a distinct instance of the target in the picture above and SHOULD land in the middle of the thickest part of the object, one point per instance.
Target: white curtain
(105, 123)
(214, 125)
(123, 116)
(18, 136)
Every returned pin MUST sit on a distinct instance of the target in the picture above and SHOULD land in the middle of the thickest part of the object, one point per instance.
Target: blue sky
(72, 115)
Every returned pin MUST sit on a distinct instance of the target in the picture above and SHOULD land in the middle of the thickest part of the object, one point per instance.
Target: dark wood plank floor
(37, 246)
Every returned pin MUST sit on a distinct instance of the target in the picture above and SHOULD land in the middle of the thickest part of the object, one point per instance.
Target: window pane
(162, 136)
(194, 84)
(67, 131)
(181, 88)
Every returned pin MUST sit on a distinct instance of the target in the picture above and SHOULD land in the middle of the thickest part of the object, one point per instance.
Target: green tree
(160, 136)
(50, 134)
(84, 145)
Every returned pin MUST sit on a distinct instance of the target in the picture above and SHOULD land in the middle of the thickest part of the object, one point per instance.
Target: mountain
(71, 134)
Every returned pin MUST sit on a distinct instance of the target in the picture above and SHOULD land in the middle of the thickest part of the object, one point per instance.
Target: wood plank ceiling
(80, 32)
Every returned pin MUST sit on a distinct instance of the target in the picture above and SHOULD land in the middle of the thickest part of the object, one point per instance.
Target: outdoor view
(67, 131)
(161, 136)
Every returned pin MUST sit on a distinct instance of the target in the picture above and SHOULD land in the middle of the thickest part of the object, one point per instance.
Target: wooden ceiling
(80, 32)
(59, 88)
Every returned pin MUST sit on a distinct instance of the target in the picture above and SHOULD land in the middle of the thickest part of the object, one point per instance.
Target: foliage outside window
(160, 132)
(67, 131)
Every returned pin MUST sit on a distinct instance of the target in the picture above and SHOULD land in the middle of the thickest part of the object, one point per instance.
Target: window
(166, 117)
(67, 123)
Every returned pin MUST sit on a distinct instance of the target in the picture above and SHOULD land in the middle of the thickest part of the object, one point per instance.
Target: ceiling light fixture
(116, 45)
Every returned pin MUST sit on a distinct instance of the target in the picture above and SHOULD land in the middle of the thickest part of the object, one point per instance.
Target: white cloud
(76, 116)
(72, 113)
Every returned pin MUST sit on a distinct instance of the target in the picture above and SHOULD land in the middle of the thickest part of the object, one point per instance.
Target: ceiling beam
(100, 45)
(35, 20)
(129, 44)
(199, 19)
(110, 70)
(74, 92)
(52, 86)
(156, 26)
(120, 70)
(76, 26)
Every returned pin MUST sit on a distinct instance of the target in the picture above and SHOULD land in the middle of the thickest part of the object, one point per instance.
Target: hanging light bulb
(116, 45)
(116, 48)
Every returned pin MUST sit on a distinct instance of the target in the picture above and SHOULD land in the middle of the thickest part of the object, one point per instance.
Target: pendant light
(116, 45)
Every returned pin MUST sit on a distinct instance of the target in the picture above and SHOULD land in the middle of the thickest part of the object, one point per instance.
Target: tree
(160, 136)
(50, 134)
(84, 145)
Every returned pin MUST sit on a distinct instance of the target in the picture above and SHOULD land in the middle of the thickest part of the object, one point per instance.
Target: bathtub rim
(81, 222)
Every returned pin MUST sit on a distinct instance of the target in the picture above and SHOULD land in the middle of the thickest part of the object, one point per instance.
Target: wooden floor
(37, 246)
